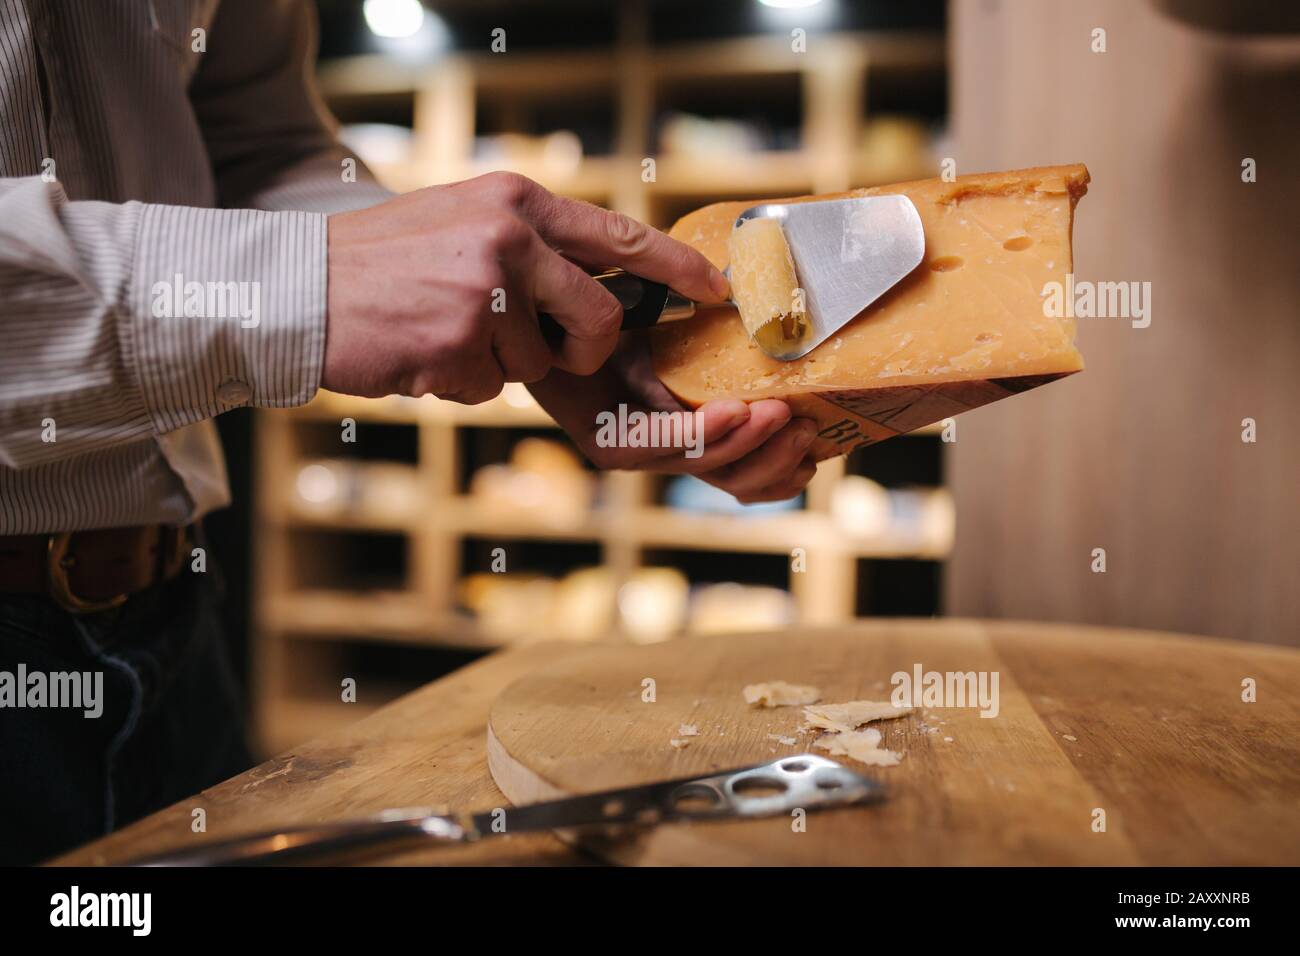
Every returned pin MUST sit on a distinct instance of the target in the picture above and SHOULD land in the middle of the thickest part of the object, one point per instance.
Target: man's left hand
(754, 451)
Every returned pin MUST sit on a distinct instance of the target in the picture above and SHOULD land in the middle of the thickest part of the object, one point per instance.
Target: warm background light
(394, 18)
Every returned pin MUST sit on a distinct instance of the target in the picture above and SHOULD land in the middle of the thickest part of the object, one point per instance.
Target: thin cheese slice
(966, 327)
(860, 745)
(842, 718)
(778, 693)
(764, 284)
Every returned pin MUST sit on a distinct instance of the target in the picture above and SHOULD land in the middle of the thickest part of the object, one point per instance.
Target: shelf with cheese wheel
(397, 616)
(302, 622)
(631, 521)
(446, 95)
(421, 609)
(643, 527)
(771, 534)
(678, 176)
(592, 179)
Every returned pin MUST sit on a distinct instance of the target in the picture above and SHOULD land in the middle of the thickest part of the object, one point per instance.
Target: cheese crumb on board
(842, 718)
(843, 739)
(860, 745)
(765, 286)
(679, 744)
(838, 723)
(778, 693)
(688, 730)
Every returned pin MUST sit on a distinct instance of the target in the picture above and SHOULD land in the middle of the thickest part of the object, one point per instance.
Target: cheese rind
(765, 286)
(966, 327)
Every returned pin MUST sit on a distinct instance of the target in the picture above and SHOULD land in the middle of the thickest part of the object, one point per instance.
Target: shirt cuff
(226, 307)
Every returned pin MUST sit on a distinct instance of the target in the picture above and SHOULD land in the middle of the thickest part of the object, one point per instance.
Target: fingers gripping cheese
(966, 327)
(764, 284)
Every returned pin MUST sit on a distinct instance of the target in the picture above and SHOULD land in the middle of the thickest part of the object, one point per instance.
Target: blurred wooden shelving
(832, 82)
(305, 618)
(421, 609)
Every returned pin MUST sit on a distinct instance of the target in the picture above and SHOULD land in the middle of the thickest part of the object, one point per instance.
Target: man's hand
(756, 452)
(413, 283)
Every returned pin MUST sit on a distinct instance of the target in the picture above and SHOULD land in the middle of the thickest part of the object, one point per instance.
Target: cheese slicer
(801, 781)
(847, 253)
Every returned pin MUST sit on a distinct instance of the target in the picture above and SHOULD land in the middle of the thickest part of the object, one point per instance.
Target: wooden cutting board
(1148, 728)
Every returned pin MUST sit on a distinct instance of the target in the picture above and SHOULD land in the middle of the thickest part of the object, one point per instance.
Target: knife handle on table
(390, 831)
(645, 303)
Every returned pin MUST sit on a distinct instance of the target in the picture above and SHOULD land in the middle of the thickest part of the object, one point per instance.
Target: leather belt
(85, 571)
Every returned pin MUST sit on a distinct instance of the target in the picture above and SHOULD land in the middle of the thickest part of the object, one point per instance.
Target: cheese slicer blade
(847, 254)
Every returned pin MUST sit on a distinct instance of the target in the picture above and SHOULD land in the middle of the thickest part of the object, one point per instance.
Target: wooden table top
(1117, 717)
(425, 749)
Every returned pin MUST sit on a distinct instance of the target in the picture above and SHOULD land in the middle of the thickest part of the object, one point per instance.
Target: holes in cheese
(765, 286)
(966, 328)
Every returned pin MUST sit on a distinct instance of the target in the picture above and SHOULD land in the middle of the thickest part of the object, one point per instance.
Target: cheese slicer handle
(644, 302)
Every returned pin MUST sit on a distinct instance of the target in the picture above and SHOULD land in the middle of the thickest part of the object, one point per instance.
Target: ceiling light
(394, 18)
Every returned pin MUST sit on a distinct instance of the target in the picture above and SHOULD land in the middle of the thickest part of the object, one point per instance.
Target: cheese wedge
(764, 284)
(967, 327)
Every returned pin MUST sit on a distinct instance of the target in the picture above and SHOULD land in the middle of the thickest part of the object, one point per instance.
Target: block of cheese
(765, 286)
(965, 328)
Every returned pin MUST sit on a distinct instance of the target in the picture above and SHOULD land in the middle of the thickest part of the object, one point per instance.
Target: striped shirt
(165, 171)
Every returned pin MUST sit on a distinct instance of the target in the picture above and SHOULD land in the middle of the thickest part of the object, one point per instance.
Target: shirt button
(234, 392)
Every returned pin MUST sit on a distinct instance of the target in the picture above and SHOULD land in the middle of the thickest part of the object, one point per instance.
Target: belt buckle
(56, 567)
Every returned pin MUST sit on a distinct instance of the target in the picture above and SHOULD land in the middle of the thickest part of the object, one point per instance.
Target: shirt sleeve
(272, 142)
(125, 320)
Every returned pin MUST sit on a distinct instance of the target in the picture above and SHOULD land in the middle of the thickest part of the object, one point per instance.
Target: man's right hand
(413, 282)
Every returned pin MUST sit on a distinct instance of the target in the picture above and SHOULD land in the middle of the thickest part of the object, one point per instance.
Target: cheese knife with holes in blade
(800, 781)
(847, 253)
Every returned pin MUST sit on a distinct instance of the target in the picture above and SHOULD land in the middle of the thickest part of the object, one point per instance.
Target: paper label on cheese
(872, 415)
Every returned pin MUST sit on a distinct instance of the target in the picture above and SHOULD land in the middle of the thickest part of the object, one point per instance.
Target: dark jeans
(172, 720)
